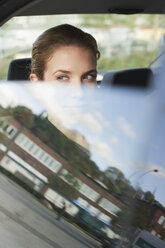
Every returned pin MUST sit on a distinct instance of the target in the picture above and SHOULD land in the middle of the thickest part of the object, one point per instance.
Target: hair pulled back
(53, 38)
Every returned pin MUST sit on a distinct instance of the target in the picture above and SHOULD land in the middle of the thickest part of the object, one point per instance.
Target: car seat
(19, 69)
(137, 77)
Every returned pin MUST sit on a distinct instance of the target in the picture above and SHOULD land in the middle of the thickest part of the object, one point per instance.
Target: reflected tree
(23, 114)
(62, 187)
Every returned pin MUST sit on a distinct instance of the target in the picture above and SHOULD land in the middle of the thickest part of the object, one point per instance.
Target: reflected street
(26, 223)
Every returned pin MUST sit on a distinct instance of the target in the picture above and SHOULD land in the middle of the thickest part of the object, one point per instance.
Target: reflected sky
(121, 127)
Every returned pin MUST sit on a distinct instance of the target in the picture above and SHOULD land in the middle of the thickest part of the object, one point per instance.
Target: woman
(65, 54)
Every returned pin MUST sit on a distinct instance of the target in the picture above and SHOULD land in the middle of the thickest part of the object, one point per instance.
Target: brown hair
(62, 35)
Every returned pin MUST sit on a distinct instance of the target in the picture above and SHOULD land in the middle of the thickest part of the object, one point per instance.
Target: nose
(76, 82)
(76, 85)
(76, 88)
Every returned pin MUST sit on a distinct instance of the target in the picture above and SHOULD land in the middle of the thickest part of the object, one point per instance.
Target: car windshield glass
(124, 41)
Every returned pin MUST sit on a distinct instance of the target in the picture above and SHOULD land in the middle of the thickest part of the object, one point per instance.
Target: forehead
(69, 48)
(70, 57)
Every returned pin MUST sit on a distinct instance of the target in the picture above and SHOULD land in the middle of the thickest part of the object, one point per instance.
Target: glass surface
(88, 155)
(83, 167)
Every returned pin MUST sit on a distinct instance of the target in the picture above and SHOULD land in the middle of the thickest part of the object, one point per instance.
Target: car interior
(19, 68)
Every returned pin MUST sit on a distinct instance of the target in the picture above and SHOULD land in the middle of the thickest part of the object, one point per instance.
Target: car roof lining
(43, 7)
(9, 8)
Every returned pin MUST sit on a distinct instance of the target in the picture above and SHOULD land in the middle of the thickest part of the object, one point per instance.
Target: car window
(124, 41)
(77, 167)
(83, 167)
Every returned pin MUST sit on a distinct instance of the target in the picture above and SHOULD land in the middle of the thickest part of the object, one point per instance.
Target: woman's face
(70, 64)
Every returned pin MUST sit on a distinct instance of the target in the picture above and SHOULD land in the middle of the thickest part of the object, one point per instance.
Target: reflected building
(156, 216)
(157, 224)
(31, 160)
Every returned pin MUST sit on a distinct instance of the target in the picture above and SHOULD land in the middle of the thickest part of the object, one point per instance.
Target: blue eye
(89, 77)
(63, 78)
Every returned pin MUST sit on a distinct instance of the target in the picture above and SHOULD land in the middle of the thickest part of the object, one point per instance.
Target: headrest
(19, 69)
(139, 77)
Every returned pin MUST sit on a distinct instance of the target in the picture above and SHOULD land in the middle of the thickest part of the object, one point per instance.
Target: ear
(33, 77)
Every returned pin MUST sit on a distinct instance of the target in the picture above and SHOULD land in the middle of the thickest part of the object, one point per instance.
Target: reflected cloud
(102, 119)
(114, 140)
(104, 151)
(91, 122)
(12, 99)
(126, 127)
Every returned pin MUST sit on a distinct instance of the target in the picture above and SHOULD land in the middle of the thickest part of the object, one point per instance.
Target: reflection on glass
(82, 155)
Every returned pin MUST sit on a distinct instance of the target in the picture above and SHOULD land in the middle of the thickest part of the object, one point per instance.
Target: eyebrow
(93, 70)
(63, 71)
(68, 72)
